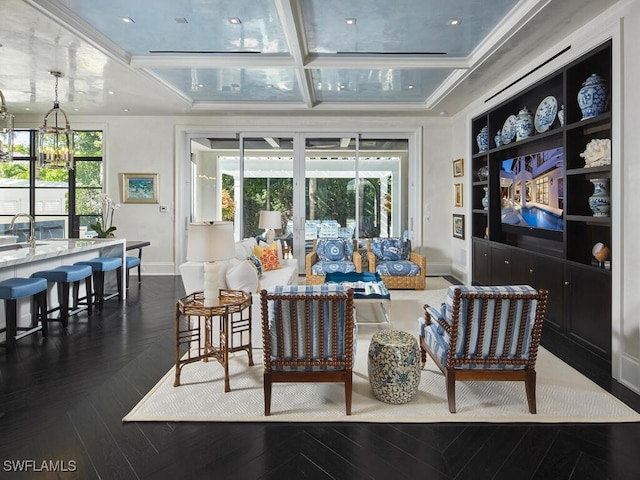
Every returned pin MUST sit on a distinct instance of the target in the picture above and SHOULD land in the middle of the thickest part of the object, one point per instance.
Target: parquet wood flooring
(63, 399)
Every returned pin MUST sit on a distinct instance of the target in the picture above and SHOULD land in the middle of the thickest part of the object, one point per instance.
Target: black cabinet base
(585, 361)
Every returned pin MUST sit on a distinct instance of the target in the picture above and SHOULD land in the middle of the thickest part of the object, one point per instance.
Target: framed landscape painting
(140, 188)
(458, 167)
(458, 226)
(457, 197)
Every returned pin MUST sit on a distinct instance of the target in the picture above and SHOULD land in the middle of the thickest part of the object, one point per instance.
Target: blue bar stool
(133, 262)
(64, 276)
(99, 266)
(13, 289)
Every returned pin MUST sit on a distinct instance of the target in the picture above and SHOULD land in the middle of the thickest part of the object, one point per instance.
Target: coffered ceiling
(163, 57)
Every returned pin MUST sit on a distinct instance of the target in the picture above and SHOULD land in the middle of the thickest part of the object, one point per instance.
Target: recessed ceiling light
(127, 19)
(111, 92)
(350, 21)
(76, 109)
(455, 21)
(443, 113)
(27, 108)
(409, 86)
(234, 20)
(125, 109)
(180, 20)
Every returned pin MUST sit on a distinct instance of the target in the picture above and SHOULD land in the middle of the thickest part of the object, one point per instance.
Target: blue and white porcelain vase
(498, 138)
(600, 202)
(593, 97)
(485, 199)
(524, 124)
(561, 115)
(483, 139)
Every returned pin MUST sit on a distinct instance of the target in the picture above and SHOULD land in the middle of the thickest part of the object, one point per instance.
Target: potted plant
(104, 225)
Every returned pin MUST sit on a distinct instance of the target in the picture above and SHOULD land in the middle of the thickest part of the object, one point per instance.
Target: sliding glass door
(344, 185)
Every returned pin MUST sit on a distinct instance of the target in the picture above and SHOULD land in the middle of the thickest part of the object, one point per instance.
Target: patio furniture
(308, 336)
(485, 333)
(331, 255)
(397, 265)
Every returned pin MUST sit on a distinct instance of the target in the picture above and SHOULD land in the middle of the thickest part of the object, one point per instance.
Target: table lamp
(270, 221)
(210, 242)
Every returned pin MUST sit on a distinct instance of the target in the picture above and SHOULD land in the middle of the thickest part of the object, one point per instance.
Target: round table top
(393, 338)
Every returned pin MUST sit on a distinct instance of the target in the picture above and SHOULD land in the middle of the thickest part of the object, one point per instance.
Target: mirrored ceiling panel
(233, 84)
(452, 28)
(383, 85)
(196, 26)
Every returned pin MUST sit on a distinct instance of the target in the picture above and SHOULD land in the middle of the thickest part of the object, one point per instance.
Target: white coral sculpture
(597, 153)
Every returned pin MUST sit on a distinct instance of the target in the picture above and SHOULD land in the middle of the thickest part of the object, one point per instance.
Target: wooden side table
(193, 319)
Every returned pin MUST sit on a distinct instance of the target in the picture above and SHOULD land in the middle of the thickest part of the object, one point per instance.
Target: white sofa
(239, 274)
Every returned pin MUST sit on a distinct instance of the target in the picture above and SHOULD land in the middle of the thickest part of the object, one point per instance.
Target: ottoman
(394, 366)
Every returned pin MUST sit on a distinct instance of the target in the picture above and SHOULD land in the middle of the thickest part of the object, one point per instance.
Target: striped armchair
(308, 336)
(485, 333)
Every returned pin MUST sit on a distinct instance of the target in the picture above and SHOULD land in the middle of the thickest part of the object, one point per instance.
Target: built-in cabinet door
(500, 265)
(549, 275)
(588, 295)
(522, 268)
(481, 263)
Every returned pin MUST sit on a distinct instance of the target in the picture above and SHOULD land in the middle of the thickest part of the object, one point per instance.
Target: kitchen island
(21, 260)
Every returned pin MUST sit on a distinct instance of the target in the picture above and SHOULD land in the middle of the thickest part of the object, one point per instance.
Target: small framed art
(139, 188)
(458, 226)
(458, 167)
(457, 195)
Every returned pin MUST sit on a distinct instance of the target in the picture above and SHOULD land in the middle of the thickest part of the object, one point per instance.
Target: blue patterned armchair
(309, 334)
(485, 333)
(397, 265)
(331, 255)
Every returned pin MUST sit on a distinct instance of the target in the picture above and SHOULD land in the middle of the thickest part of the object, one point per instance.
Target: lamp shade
(210, 241)
(269, 219)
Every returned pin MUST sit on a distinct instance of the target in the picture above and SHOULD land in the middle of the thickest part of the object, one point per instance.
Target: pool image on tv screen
(532, 190)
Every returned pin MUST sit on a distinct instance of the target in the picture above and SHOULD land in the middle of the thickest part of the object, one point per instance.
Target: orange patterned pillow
(269, 259)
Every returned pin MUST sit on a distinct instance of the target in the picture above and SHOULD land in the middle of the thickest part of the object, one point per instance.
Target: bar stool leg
(98, 281)
(40, 310)
(10, 309)
(63, 301)
(119, 281)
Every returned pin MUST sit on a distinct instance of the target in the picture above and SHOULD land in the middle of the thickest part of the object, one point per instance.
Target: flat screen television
(532, 194)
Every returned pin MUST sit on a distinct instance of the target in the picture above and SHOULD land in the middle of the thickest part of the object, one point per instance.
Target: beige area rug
(563, 394)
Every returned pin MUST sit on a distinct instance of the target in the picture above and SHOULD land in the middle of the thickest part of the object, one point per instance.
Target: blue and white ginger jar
(483, 139)
(600, 202)
(524, 124)
(593, 97)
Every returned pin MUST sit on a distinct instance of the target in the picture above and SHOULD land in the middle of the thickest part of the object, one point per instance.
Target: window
(61, 201)
(542, 190)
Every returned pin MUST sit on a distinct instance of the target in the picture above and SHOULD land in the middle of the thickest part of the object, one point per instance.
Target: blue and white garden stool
(394, 366)
(13, 289)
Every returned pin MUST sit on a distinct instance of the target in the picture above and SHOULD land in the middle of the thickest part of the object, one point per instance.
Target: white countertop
(18, 253)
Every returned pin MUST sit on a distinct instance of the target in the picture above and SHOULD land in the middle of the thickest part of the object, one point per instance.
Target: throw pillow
(270, 259)
(278, 246)
(244, 248)
(256, 263)
(242, 275)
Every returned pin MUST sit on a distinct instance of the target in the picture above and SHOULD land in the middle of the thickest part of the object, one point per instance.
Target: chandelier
(55, 137)
(6, 132)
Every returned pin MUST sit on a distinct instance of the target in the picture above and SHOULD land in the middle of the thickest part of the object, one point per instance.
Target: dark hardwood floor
(62, 400)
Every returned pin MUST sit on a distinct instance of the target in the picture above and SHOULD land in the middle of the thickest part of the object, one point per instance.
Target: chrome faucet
(32, 231)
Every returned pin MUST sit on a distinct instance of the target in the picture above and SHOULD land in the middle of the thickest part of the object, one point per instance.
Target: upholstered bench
(394, 366)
